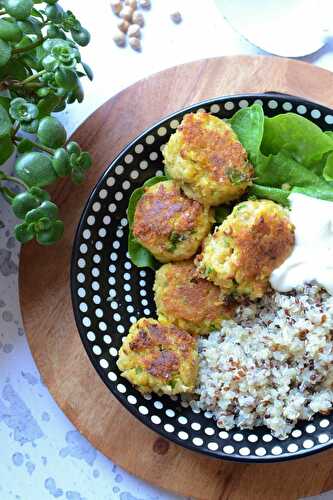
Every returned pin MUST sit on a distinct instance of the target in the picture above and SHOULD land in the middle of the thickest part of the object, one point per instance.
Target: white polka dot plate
(109, 294)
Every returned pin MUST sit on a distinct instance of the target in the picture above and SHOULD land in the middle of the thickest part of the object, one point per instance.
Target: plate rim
(218, 455)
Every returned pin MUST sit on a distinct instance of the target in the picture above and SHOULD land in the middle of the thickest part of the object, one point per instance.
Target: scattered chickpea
(126, 13)
(176, 17)
(137, 18)
(120, 39)
(135, 43)
(123, 25)
(134, 30)
(131, 3)
(116, 6)
(145, 4)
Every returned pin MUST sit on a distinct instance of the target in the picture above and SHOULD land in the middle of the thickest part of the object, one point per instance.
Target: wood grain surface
(46, 304)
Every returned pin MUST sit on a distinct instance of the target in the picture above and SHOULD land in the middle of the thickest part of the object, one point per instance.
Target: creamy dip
(312, 257)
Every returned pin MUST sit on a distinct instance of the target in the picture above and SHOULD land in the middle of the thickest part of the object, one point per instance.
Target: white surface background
(41, 454)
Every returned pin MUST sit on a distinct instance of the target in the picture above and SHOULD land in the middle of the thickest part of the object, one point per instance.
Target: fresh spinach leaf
(303, 140)
(323, 192)
(270, 193)
(248, 124)
(328, 168)
(278, 169)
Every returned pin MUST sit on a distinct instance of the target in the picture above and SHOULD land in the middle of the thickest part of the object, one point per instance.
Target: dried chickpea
(134, 30)
(119, 39)
(137, 18)
(145, 4)
(123, 25)
(131, 3)
(135, 43)
(176, 17)
(126, 13)
(116, 6)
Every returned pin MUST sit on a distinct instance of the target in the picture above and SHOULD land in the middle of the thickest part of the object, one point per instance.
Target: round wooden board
(46, 303)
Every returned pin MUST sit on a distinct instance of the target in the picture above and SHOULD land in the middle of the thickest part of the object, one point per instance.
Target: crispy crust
(170, 225)
(159, 349)
(242, 253)
(264, 246)
(219, 151)
(156, 211)
(181, 295)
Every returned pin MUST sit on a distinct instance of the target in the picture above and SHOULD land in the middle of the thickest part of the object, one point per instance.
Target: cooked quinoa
(272, 365)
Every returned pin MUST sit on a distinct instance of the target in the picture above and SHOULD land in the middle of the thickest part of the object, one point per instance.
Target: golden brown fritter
(191, 303)
(242, 253)
(168, 224)
(159, 358)
(205, 156)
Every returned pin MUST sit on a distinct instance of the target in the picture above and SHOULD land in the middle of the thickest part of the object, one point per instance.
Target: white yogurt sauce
(312, 257)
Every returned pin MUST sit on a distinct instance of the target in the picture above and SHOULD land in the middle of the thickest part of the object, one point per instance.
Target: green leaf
(51, 235)
(35, 169)
(46, 209)
(155, 180)
(139, 255)
(47, 105)
(276, 170)
(322, 192)
(20, 9)
(5, 122)
(24, 233)
(81, 37)
(24, 146)
(221, 213)
(5, 102)
(60, 162)
(270, 193)
(133, 201)
(36, 13)
(248, 124)
(9, 32)
(6, 148)
(5, 52)
(14, 70)
(23, 203)
(66, 78)
(329, 133)
(40, 194)
(304, 141)
(51, 132)
(30, 26)
(328, 168)
(88, 71)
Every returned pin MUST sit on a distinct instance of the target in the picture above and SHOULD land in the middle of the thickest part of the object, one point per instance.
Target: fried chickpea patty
(159, 358)
(205, 156)
(168, 224)
(242, 253)
(191, 303)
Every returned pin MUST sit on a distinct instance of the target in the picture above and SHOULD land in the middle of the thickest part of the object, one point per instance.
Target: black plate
(108, 294)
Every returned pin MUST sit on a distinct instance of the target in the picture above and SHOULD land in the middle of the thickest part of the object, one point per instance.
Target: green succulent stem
(10, 178)
(7, 194)
(19, 138)
(15, 129)
(34, 45)
(33, 77)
